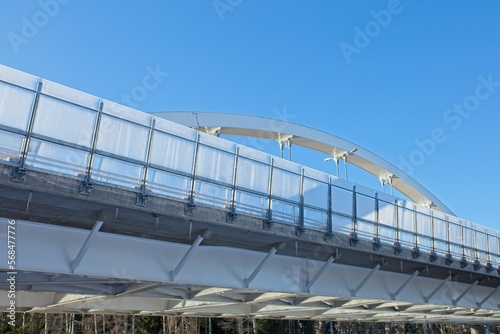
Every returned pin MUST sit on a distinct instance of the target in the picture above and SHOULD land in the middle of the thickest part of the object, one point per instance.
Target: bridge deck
(55, 200)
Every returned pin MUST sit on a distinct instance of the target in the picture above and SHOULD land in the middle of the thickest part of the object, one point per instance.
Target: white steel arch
(279, 130)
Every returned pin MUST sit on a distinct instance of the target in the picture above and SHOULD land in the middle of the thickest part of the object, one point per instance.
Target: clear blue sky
(382, 74)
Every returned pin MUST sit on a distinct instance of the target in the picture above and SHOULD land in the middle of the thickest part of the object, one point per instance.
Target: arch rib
(274, 129)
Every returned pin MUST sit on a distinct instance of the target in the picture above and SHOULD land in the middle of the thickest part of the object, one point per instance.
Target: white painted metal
(86, 245)
(121, 274)
(114, 273)
(156, 157)
(275, 129)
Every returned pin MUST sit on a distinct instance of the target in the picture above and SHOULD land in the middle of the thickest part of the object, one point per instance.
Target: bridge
(106, 209)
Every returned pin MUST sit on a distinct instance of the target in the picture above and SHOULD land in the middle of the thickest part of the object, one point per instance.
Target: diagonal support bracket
(206, 235)
(398, 291)
(455, 301)
(446, 280)
(319, 273)
(257, 270)
(480, 304)
(86, 245)
(363, 282)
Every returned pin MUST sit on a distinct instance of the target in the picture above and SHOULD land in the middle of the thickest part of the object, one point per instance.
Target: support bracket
(376, 244)
(141, 199)
(214, 131)
(268, 221)
(397, 248)
(353, 241)
(437, 289)
(416, 252)
(86, 186)
(449, 259)
(299, 230)
(206, 235)
(363, 282)
(189, 207)
(318, 274)
(398, 291)
(267, 225)
(433, 257)
(455, 301)
(477, 265)
(480, 304)
(86, 245)
(329, 237)
(19, 174)
(250, 278)
(231, 215)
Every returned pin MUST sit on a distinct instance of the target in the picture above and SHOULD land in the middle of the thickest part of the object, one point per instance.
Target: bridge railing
(51, 128)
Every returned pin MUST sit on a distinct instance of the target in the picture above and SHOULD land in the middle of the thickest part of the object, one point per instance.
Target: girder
(211, 287)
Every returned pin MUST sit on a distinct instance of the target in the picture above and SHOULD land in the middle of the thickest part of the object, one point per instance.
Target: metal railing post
(300, 228)
(268, 221)
(376, 240)
(433, 256)
(329, 222)
(190, 206)
(231, 215)
(397, 244)
(354, 235)
(19, 173)
(86, 183)
(449, 256)
(142, 195)
(416, 249)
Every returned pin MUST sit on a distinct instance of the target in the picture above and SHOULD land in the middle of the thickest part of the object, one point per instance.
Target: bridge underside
(156, 259)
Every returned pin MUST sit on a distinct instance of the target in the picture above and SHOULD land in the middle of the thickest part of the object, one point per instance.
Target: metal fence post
(268, 221)
(190, 206)
(86, 183)
(300, 228)
(19, 173)
(376, 240)
(231, 215)
(329, 222)
(354, 235)
(397, 244)
(142, 195)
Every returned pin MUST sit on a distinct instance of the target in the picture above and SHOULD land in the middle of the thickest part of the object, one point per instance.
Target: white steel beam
(398, 291)
(135, 268)
(76, 262)
(364, 280)
(455, 301)
(479, 304)
(319, 273)
(429, 296)
(257, 270)
(185, 258)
